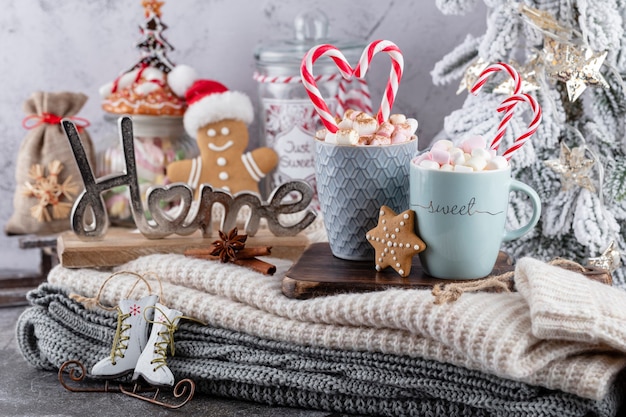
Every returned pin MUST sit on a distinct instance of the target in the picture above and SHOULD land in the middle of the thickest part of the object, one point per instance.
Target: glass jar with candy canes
(288, 118)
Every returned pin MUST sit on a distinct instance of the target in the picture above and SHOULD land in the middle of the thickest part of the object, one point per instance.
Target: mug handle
(534, 198)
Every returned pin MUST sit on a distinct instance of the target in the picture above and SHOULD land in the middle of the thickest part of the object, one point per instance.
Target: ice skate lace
(120, 341)
(166, 338)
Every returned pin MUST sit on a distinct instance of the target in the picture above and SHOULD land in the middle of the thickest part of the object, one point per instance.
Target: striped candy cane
(510, 103)
(517, 83)
(356, 98)
(310, 84)
(395, 75)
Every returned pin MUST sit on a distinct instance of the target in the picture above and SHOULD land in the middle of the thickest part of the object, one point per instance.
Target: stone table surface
(26, 391)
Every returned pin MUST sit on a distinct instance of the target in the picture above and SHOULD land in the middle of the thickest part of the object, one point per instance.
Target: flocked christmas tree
(570, 55)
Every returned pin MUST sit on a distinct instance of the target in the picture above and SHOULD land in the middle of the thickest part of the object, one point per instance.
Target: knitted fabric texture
(489, 332)
(238, 365)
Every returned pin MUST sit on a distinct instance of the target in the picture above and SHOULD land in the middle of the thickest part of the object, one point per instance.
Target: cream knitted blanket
(561, 330)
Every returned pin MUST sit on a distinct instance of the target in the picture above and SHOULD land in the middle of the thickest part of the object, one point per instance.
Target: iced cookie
(395, 241)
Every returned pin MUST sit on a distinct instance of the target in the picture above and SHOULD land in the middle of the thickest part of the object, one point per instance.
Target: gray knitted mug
(353, 182)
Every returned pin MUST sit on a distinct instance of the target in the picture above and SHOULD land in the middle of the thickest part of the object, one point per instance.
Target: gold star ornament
(573, 167)
(575, 65)
(395, 241)
(610, 259)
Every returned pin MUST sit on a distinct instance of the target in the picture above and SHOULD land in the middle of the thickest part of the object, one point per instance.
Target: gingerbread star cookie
(395, 241)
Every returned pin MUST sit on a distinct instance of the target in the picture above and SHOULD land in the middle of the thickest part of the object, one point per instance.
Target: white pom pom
(181, 78)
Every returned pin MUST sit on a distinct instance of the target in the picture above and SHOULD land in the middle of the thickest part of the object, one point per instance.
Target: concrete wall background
(78, 45)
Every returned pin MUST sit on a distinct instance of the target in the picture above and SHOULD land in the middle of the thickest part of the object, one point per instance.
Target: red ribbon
(34, 120)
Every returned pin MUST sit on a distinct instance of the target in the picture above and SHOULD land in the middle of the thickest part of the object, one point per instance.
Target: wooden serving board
(121, 245)
(319, 273)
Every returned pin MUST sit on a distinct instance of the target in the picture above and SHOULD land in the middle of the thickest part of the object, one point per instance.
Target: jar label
(290, 127)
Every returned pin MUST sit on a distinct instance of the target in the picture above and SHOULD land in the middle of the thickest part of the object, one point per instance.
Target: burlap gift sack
(47, 177)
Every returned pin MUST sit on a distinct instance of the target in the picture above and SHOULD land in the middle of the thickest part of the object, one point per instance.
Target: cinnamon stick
(245, 253)
(258, 265)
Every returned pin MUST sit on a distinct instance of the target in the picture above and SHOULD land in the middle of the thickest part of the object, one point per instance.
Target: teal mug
(461, 217)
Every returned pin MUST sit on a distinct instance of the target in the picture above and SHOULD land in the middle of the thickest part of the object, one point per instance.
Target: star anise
(227, 247)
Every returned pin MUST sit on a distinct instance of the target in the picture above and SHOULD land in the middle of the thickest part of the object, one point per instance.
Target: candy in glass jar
(288, 118)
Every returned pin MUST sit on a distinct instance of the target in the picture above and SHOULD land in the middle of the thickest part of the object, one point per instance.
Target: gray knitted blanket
(238, 365)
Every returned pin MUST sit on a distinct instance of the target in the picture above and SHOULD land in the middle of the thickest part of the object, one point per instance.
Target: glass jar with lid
(159, 140)
(288, 118)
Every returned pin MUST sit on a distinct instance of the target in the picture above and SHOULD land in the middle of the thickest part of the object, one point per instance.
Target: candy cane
(395, 75)
(510, 103)
(359, 97)
(306, 71)
(517, 83)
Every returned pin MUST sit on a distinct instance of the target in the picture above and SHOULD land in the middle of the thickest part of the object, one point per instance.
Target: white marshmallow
(497, 162)
(481, 153)
(397, 119)
(345, 124)
(447, 167)
(477, 162)
(321, 134)
(444, 144)
(429, 164)
(413, 123)
(457, 157)
(347, 137)
(365, 125)
(331, 138)
(463, 168)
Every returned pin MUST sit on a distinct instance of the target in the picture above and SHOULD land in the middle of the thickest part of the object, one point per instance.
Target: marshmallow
(428, 164)
(380, 140)
(397, 119)
(463, 168)
(473, 142)
(385, 129)
(440, 156)
(413, 123)
(457, 157)
(497, 162)
(331, 138)
(320, 134)
(347, 137)
(482, 153)
(477, 162)
(365, 125)
(447, 167)
(345, 124)
(444, 144)
(351, 114)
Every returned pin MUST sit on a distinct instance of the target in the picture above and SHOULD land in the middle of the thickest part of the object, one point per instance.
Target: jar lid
(311, 29)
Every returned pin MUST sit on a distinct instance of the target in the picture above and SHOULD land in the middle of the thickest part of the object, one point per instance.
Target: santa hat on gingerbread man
(208, 101)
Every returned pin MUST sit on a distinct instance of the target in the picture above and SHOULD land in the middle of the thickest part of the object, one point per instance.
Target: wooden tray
(319, 273)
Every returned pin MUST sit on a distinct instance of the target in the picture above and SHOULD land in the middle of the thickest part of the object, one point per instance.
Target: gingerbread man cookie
(395, 241)
(218, 119)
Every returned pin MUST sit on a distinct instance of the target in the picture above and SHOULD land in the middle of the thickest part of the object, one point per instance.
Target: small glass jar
(159, 140)
(288, 119)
